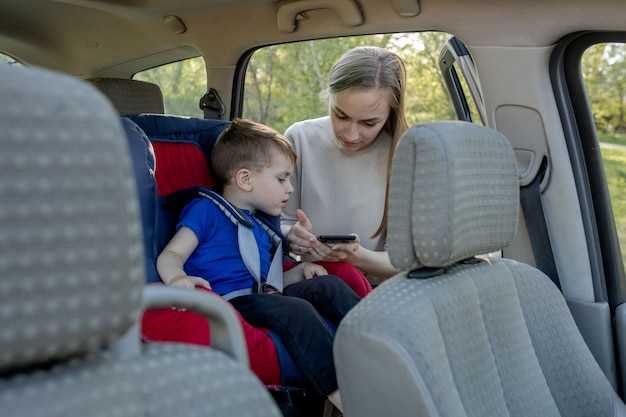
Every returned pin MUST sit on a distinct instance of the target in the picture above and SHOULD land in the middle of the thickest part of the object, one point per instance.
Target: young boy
(253, 165)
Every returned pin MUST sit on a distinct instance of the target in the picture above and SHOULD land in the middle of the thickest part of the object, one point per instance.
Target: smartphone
(337, 238)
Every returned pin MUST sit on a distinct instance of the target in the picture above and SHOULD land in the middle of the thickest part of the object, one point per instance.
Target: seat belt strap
(275, 273)
(212, 105)
(232, 212)
(249, 250)
(248, 247)
(530, 199)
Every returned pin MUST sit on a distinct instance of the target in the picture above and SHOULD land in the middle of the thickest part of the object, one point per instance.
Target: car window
(284, 83)
(604, 74)
(465, 90)
(182, 83)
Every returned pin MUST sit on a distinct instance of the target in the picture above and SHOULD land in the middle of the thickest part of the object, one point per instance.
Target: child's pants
(298, 316)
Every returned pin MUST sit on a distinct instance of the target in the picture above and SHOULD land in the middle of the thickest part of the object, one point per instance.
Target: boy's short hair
(247, 144)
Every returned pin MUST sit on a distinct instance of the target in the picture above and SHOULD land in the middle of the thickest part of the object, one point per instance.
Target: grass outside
(614, 138)
(615, 169)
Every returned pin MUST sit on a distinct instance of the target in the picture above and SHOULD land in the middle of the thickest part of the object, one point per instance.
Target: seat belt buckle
(268, 289)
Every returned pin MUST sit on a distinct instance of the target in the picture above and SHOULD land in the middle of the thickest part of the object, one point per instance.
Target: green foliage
(615, 138)
(604, 72)
(614, 160)
(286, 83)
(182, 84)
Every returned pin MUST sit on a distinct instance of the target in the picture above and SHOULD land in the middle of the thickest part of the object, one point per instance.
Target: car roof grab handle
(289, 12)
(406, 8)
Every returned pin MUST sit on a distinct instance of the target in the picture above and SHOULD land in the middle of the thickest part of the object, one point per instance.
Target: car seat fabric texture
(73, 271)
(444, 205)
(131, 96)
(503, 344)
(55, 146)
(463, 337)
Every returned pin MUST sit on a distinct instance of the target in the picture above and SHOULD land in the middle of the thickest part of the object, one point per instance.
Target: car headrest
(131, 96)
(453, 194)
(71, 258)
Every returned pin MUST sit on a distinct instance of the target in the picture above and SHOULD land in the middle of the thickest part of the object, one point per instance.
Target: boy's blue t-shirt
(217, 258)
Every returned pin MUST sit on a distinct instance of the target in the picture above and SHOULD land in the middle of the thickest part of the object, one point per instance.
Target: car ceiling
(119, 37)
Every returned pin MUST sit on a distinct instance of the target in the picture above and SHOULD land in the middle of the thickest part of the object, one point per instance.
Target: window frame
(206, 89)
(453, 85)
(607, 266)
(239, 80)
(455, 52)
(132, 77)
(239, 76)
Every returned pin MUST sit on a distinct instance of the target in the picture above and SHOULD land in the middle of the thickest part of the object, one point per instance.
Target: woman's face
(358, 115)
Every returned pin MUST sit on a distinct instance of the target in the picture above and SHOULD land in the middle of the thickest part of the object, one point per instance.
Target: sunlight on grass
(616, 138)
(615, 170)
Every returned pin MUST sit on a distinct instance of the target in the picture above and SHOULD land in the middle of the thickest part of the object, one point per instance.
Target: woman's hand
(343, 252)
(375, 264)
(303, 242)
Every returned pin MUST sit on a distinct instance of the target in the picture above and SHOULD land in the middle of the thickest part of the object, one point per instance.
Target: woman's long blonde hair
(373, 67)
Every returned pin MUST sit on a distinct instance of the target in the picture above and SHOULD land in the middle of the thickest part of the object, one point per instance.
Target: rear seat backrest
(71, 262)
(131, 96)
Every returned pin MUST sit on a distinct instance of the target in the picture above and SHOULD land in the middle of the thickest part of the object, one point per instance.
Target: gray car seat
(452, 335)
(131, 96)
(72, 274)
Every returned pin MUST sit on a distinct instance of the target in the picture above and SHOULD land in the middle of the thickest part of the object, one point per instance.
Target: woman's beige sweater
(341, 192)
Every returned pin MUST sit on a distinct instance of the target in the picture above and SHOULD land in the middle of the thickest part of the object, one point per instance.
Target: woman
(344, 160)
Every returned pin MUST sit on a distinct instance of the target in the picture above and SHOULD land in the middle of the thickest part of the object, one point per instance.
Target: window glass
(182, 83)
(604, 74)
(284, 83)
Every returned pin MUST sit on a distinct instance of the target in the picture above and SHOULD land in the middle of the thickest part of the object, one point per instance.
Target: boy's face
(272, 185)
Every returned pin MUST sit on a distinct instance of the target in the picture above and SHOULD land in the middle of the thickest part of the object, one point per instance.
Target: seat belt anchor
(212, 105)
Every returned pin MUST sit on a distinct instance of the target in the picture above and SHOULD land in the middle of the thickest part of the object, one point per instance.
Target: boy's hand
(311, 270)
(190, 282)
(300, 236)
